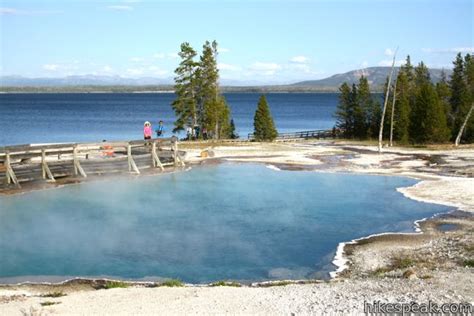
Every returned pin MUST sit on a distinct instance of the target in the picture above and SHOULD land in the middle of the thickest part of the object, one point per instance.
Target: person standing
(160, 131)
(147, 131)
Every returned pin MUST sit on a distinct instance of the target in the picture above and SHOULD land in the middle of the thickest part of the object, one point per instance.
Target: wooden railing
(319, 133)
(22, 163)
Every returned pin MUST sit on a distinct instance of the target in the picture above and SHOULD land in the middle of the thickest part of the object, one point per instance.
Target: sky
(260, 41)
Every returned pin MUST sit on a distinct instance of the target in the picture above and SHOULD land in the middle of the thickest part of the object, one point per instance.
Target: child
(160, 131)
(147, 130)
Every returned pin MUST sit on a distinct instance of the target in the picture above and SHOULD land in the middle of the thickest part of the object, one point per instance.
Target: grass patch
(278, 283)
(401, 263)
(115, 284)
(469, 248)
(173, 283)
(226, 283)
(54, 294)
(49, 303)
(397, 263)
(469, 263)
(381, 271)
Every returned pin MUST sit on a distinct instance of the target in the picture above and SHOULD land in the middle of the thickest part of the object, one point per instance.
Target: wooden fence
(319, 133)
(23, 163)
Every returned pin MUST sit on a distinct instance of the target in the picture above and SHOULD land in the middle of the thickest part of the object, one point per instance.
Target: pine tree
(344, 114)
(408, 70)
(468, 134)
(428, 122)
(264, 127)
(233, 133)
(459, 93)
(422, 75)
(213, 107)
(184, 105)
(402, 109)
(365, 106)
(444, 94)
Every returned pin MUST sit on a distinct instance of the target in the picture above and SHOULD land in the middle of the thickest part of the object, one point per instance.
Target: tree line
(418, 111)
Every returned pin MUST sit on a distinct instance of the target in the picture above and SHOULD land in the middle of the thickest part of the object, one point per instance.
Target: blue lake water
(230, 221)
(90, 117)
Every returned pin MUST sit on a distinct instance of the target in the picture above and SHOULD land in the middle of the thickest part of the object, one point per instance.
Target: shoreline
(349, 255)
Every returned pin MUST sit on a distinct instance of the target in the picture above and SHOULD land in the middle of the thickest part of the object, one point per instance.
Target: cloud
(135, 71)
(448, 50)
(228, 67)
(120, 7)
(13, 11)
(364, 64)
(157, 71)
(51, 67)
(172, 55)
(107, 68)
(266, 69)
(165, 55)
(299, 60)
(222, 50)
(159, 55)
(146, 71)
(389, 52)
(388, 62)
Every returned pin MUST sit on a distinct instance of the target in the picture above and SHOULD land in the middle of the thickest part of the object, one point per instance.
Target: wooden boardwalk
(317, 134)
(27, 163)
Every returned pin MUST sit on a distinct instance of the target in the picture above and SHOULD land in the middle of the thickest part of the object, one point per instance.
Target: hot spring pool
(234, 222)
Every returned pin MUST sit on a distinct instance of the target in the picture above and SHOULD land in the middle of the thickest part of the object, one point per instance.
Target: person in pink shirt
(147, 130)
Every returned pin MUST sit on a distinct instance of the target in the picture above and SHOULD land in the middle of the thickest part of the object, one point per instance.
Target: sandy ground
(433, 265)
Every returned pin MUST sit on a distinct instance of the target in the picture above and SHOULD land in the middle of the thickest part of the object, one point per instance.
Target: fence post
(11, 177)
(44, 167)
(155, 157)
(77, 165)
(131, 162)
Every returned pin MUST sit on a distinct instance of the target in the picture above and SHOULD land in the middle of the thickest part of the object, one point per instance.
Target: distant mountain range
(375, 75)
(84, 80)
(91, 83)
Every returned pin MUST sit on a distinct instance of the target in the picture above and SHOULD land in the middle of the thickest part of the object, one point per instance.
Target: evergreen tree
(264, 127)
(459, 93)
(232, 132)
(444, 94)
(364, 109)
(468, 134)
(408, 70)
(215, 111)
(184, 105)
(422, 75)
(344, 114)
(402, 109)
(428, 122)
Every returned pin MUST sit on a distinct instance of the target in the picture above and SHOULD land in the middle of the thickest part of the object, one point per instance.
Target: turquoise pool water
(240, 222)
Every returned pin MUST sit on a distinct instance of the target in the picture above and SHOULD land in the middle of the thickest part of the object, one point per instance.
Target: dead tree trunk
(393, 111)
(385, 102)
(458, 138)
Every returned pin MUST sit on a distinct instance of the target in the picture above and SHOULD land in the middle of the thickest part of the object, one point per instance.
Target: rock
(409, 274)
(207, 153)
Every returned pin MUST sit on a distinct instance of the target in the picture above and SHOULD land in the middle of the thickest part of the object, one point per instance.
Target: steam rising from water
(243, 222)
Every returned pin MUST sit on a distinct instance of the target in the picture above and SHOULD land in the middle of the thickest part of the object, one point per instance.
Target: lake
(92, 117)
(240, 222)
